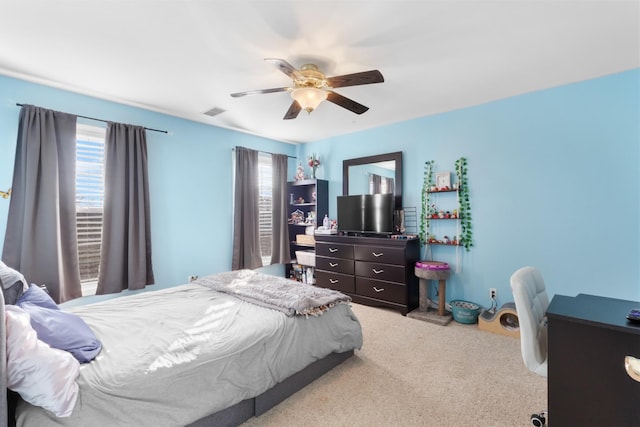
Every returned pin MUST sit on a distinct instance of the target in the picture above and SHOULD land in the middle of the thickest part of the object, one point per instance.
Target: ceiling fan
(311, 87)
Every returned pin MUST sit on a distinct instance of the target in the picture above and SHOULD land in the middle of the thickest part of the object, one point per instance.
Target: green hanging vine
(424, 216)
(466, 238)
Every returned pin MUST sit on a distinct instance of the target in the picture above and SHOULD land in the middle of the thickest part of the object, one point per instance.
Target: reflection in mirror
(372, 178)
(377, 174)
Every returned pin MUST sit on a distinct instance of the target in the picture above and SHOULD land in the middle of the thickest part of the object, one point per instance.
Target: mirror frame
(396, 156)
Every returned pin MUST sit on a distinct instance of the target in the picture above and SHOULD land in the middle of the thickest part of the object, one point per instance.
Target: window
(89, 202)
(265, 191)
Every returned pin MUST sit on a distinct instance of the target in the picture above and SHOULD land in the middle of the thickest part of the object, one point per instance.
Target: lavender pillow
(64, 331)
(38, 296)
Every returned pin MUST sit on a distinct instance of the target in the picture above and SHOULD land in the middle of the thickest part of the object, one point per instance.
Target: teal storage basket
(465, 311)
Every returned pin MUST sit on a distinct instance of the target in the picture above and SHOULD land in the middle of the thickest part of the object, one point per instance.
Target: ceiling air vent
(214, 112)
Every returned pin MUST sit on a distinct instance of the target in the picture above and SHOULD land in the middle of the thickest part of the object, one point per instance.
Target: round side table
(432, 270)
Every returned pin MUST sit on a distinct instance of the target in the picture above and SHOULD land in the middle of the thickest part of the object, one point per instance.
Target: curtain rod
(267, 152)
(105, 121)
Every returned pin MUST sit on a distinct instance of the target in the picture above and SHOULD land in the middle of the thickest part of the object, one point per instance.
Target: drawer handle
(333, 264)
(377, 271)
(333, 281)
(377, 255)
(378, 290)
(333, 250)
(632, 366)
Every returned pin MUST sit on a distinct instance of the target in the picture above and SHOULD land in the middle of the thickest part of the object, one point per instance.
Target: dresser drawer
(381, 254)
(335, 265)
(386, 291)
(374, 270)
(337, 281)
(335, 250)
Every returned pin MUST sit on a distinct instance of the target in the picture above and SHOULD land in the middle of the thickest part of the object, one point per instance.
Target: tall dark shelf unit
(319, 204)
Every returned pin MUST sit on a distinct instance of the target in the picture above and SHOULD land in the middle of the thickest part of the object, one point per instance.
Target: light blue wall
(554, 181)
(189, 172)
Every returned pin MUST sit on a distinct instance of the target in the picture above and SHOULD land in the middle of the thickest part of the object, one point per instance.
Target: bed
(208, 353)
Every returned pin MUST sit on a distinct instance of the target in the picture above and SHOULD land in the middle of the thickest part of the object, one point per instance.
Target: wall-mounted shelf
(442, 244)
(302, 245)
(444, 240)
(461, 214)
(443, 191)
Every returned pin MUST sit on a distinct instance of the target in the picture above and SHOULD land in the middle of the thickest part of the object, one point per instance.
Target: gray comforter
(173, 356)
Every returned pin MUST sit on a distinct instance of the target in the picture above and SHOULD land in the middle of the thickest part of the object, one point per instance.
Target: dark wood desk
(588, 339)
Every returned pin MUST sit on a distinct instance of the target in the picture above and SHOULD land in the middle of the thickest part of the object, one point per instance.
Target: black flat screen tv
(366, 213)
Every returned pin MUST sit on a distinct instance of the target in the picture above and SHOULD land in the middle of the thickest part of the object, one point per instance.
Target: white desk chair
(531, 301)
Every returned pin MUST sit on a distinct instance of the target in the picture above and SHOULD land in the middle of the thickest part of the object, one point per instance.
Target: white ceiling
(184, 57)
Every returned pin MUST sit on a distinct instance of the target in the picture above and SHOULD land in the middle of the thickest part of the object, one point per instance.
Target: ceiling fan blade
(347, 103)
(293, 111)
(260, 91)
(286, 68)
(363, 78)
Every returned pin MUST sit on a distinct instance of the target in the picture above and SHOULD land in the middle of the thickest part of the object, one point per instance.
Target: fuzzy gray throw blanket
(278, 293)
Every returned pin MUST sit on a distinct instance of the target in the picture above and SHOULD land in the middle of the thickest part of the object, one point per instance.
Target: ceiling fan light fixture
(309, 97)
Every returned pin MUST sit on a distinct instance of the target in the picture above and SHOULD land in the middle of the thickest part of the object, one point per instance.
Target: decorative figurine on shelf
(314, 163)
(299, 172)
(296, 217)
(433, 211)
(454, 214)
(311, 217)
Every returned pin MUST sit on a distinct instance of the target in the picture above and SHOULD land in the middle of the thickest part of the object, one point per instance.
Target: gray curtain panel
(125, 260)
(280, 251)
(390, 185)
(41, 240)
(246, 230)
(376, 181)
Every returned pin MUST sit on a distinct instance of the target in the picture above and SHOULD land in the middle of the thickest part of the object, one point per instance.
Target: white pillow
(42, 375)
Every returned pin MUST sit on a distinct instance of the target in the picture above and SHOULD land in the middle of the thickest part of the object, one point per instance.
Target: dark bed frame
(241, 412)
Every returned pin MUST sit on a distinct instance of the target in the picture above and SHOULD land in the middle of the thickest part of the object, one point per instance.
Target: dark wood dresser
(589, 338)
(376, 271)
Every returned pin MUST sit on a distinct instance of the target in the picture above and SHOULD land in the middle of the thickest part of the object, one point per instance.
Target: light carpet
(413, 373)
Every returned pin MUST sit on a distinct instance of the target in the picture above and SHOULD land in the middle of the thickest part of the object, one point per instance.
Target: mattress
(173, 356)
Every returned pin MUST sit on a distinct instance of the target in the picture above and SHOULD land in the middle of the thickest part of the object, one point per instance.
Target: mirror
(374, 174)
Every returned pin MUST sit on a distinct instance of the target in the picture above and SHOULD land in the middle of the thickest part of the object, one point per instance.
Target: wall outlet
(493, 293)
(192, 278)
